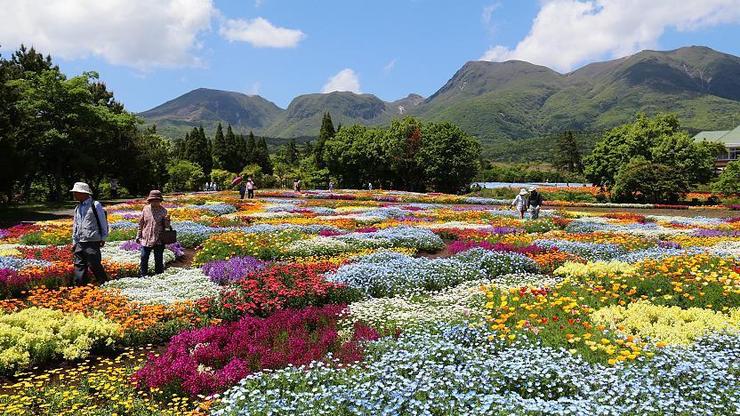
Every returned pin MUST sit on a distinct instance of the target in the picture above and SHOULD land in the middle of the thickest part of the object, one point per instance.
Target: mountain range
(497, 101)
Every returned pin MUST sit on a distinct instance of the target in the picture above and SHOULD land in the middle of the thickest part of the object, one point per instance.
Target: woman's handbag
(168, 236)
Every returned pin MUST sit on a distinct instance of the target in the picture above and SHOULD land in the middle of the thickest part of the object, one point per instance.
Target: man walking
(89, 231)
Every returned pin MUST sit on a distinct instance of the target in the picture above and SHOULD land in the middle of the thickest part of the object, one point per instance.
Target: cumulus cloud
(344, 80)
(142, 34)
(566, 33)
(260, 33)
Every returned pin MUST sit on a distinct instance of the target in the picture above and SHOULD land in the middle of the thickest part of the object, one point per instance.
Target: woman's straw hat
(155, 194)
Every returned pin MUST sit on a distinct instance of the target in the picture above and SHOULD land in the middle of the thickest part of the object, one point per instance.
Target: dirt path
(712, 213)
(186, 260)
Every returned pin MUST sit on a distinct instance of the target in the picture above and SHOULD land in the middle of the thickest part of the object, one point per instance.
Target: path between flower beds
(186, 260)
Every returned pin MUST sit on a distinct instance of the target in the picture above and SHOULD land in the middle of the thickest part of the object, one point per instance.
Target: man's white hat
(81, 187)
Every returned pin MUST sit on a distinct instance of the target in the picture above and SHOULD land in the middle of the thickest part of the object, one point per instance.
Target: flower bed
(34, 336)
(211, 359)
(481, 312)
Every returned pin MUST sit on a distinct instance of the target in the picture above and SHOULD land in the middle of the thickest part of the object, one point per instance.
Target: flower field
(376, 303)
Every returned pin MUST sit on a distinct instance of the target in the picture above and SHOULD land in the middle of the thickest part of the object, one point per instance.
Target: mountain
(303, 115)
(503, 101)
(514, 100)
(494, 99)
(209, 107)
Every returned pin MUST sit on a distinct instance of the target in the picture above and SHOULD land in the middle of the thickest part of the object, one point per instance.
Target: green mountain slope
(303, 116)
(209, 107)
(501, 101)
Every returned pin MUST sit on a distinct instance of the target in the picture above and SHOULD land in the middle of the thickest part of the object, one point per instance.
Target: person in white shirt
(520, 202)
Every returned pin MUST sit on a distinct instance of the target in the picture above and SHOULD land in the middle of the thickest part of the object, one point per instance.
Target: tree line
(56, 130)
(407, 155)
(651, 159)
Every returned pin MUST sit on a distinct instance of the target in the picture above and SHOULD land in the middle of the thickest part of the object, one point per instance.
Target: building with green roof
(729, 138)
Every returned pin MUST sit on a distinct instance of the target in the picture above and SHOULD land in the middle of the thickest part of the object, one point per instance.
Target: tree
(235, 151)
(152, 157)
(184, 176)
(325, 133)
(198, 150)
(291, 152)
(567, 156)
(657, 142)
(728, 182)
(250, 146)
(222, 178)
(55, 130)
(449, 157)
(405, 140)
(646, 181)
(408, 154)
(220, 149)
(262, 156)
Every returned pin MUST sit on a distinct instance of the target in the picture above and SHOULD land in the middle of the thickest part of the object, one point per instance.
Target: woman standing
(154, 220)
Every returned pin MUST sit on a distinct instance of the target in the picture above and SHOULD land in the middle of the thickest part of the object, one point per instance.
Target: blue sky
(151, 51)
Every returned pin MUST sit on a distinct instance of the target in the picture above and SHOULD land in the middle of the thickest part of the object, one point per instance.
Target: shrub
(184, 176)
(222, 178)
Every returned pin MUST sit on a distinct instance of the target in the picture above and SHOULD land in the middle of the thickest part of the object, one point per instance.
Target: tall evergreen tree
(291, 152)
(567, 155)
(179, 151)
(307, 150)
(250, 147)
(220, 149)
(198, 150)
(235, 152)
(325, 133)
(262, 156)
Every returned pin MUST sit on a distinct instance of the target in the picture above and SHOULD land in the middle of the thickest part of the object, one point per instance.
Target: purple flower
(225, 271)
(668, 244)
(130, 245)
(715, 233)
(177, 249)
(503, 230)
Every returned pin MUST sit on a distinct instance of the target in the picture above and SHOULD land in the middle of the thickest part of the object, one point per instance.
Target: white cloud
(488, 12)
(260, 33)
(344, 80)
(258, 3)
(389, 66)
(142, 34)
(566, 33)
(254, 89)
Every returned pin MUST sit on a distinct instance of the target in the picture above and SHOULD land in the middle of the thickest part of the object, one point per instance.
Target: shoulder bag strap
(97, 220)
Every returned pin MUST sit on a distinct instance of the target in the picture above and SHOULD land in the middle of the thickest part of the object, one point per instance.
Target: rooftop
(722, 136)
